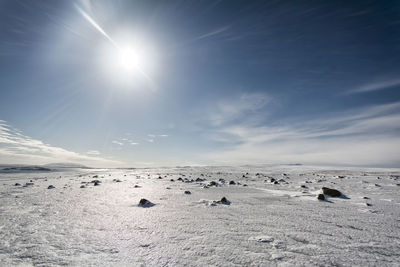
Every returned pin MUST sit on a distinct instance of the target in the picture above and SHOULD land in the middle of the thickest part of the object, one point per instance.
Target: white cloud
(359, 137)
(240, 107)
(375, 86)
(212, 33)
(93, 152)
(16, 148)
(117, 143)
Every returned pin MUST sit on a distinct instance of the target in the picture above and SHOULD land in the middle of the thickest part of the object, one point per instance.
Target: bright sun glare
(128, 59)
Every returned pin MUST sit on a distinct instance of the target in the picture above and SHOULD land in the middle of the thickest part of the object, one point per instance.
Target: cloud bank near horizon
(17, 148)
(362, 136)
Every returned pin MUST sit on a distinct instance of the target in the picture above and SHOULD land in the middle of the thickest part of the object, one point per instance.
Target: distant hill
(65, 165)
(26, 168)
(43, 168)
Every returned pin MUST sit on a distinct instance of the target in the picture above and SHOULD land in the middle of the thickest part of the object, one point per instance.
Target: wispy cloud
(237, 108)
(117, 143)
(93, 152)
(213, 33)
(357, 137)
(152, 137)
(375, 86)
(17, 148)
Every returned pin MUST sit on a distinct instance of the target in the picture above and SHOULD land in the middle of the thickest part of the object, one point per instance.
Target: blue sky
(213, 82)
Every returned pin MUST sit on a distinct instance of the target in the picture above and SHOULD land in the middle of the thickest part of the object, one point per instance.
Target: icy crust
(81, 222)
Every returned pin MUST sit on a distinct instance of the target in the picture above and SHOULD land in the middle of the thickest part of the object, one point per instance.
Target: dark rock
(83, 186)
(136, 186)
(172, 180)
(95, 176)
(224, 201)
(272, 180)
(213, 183)
(368, 204)
(232, 183)
(303, 186)
(321, 197)
(51, 187)
(199, 180)
(187, 192)
(180, 179)
(96, 183)
(331, 192)
(17, 184)
(276, 182)
(117, 180)
(145, 203)
(245, 185)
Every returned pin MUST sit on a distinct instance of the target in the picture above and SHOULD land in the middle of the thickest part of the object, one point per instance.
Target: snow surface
(263, 224)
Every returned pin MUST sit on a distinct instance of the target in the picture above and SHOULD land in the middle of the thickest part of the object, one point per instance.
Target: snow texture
(275, 220)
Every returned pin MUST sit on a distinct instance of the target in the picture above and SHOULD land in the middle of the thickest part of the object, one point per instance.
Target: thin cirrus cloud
(239, 108)
(150, 138)
(17, 148)
(376, 86)
(124, 141)
(117, 143)
(362, 136)
(93, 152)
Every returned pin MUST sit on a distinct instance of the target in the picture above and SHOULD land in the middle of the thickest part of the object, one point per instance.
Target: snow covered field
(271, 217)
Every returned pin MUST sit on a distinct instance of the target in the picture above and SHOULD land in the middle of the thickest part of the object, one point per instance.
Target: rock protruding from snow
(321, 197)
(51, 187)
(331, 192)
(188, 192)
(145, 203)
(224, 201)
(262, 239)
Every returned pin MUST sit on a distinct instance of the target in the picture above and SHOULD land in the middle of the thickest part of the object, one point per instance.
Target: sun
(128, 59)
